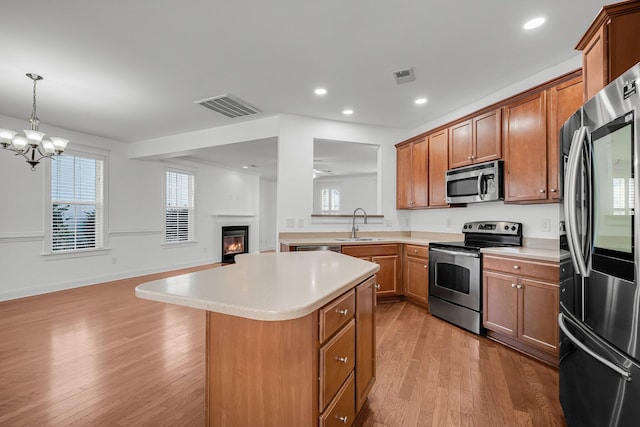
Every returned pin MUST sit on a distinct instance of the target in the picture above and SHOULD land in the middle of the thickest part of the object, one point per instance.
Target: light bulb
(34, 136)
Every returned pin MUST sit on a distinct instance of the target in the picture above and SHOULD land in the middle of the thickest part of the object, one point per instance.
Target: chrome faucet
(353, 226)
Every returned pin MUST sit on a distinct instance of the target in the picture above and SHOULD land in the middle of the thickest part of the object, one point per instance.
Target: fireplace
(235, 240)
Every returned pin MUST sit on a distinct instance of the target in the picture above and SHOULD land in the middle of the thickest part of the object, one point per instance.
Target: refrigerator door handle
(622, 372)
(570, 214)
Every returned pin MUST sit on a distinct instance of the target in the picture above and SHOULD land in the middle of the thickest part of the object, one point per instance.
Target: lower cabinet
(314, 370)
(416, 274)
(387, 256)
(347, 354)
(521, 304)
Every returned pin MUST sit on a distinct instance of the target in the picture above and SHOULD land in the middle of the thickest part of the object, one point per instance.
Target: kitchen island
(290, 337)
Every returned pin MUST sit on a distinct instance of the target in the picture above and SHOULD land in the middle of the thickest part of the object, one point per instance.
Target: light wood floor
(100, 356)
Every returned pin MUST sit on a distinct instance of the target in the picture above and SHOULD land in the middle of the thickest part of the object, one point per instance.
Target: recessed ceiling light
(245, 167)
(420, 101)
(320, 91)
(347, 112)
(533, 23)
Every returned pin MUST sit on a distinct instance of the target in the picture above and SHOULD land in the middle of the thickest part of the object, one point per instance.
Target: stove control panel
(493, 227)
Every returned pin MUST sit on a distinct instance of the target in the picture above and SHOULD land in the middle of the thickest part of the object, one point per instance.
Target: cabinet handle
(343, 419)
(517, 267)
(542, 190)
(519, 286)
(513, 285)
(377, 286)
(553, 190)
(425, 266)
(343, 312)
(342, 359)
(469, 157)
(415, 251)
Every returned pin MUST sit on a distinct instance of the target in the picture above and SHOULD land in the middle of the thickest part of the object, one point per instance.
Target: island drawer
(336, 314)
(370, 250)
(342, 411)
(520, 267)
(337, 360)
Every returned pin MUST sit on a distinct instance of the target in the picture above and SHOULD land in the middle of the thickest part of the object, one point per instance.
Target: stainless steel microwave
(476, 183)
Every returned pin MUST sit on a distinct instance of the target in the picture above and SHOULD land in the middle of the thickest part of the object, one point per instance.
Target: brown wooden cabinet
(412, 180)
(438, 160)
(562, 101)
(531, 129)
(387, 256)
(416, 274)
(476, 140)
(366, 341)
(610, 46)
(521, 303)
(525, 142)
(314, 370)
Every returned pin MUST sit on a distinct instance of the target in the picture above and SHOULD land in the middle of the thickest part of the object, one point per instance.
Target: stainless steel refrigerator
(600, 300)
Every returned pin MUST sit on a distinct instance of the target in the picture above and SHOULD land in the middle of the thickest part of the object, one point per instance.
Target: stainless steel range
(455, 271)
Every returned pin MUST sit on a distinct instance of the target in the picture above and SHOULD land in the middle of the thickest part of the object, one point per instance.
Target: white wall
(135, 220)
(268, 215)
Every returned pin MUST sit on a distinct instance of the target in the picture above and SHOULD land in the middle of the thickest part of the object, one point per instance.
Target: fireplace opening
(235, 240)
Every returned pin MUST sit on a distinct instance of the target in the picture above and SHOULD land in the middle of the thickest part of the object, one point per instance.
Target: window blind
(179, 211)
(77, 212)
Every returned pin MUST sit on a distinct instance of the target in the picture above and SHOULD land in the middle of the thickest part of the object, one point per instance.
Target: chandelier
(32, 146)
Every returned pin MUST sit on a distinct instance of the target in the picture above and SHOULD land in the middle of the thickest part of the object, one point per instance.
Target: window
(179, 207)
(77, 203)
(330, 200)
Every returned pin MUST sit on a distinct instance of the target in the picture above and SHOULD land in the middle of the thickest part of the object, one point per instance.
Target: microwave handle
(480, 193)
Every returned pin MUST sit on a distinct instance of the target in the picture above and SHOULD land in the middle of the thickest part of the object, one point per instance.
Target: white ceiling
(131, 70)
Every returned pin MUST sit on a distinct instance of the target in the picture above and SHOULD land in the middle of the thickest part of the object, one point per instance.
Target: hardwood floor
(100, 356)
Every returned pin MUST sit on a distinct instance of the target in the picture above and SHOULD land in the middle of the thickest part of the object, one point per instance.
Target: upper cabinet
(438, 161)
(525, 141)
(562, 101)
(531, 131)
(412, 180)
(476, 140)
(610, 46)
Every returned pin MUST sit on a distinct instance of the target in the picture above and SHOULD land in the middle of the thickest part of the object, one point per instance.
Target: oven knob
(513, 228)
(506, 227)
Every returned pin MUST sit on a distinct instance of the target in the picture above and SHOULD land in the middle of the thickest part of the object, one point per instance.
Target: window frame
(86, 152)
(192, 230)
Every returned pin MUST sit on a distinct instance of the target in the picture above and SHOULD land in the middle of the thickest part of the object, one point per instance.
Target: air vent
(404, 76)
(228, 105)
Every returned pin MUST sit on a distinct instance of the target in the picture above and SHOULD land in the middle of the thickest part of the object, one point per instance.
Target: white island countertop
(268, 286)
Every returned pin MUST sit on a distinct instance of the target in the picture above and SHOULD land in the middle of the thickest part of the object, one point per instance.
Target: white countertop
(543, 254)
(268, 286)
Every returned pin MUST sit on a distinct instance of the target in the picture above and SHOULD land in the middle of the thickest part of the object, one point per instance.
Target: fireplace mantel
(233, 215)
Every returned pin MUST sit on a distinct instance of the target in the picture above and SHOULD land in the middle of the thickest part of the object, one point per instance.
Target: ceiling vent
(229, 105)
(404, 76)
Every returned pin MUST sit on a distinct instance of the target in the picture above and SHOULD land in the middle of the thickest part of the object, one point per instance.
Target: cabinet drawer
(342, 410)
(336, 314)
(337, 359)
(370, 250)
(536, 269)
(417, 251)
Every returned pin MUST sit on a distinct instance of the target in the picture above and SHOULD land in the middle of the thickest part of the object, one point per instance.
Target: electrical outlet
(300, 223)
(291, 222)
(114, 260)
(546, 225)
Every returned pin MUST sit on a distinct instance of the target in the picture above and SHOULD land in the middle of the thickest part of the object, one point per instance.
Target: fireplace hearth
(235, 240)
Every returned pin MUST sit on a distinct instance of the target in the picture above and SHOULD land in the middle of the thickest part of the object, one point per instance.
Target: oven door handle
(455, 253)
